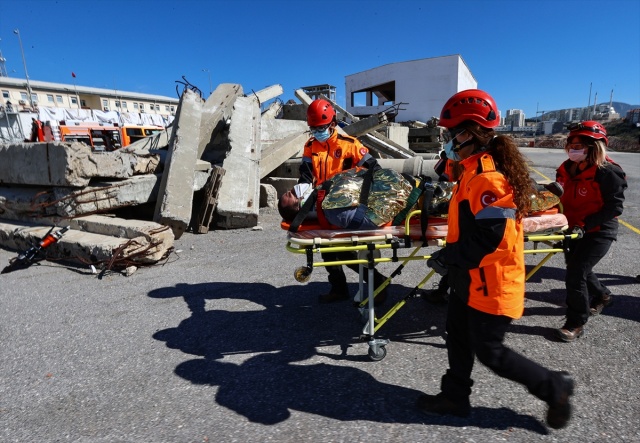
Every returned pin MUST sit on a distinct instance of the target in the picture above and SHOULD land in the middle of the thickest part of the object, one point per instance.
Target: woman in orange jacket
(484, 260)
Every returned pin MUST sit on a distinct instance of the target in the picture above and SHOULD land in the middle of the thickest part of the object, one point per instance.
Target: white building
(514, 117)
(419, 88)
(56, 102)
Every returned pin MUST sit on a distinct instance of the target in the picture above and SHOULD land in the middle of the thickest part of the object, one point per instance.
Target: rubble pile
(220, 161)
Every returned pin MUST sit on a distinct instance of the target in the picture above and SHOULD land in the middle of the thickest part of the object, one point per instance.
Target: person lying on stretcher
(390, 198)
(363, 199)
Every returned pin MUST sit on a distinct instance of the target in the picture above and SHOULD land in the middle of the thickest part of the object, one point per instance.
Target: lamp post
(24, 61)
(210, 84)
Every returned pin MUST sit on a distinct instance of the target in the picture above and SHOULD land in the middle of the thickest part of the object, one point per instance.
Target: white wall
(425, 85)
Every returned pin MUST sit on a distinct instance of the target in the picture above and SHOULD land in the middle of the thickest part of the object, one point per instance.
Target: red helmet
(589, 129)
(320, 113)
(472, 104)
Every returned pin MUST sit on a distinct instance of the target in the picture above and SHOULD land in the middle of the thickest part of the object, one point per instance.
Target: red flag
(73, 74)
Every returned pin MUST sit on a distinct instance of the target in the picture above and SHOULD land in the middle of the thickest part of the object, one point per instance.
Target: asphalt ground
(221, 344)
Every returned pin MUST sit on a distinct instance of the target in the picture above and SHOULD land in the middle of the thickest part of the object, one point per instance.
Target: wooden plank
(210, 200)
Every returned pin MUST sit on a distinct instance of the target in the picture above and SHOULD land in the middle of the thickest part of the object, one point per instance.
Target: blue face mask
(322, 136)
(451, 154)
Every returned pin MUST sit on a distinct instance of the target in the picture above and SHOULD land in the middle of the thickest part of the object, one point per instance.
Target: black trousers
(338, 279)
(581, 282)
(470, 334)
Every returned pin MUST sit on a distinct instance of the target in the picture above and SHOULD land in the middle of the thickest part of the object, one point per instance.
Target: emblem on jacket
(363, 151)
(487, 198)
(338, 153)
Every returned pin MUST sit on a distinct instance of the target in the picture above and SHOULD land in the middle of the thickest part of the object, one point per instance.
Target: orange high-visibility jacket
(485, 241)
(337, 154)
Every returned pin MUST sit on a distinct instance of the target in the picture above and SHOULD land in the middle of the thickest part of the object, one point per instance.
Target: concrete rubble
(221, 160)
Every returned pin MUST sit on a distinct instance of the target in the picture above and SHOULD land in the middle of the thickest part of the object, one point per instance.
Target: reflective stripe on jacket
(485, 241)
(337, 154)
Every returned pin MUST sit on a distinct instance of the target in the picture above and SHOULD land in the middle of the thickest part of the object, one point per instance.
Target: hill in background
(620, 108)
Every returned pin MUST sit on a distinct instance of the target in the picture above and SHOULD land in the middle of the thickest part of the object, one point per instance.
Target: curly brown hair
(509, 161)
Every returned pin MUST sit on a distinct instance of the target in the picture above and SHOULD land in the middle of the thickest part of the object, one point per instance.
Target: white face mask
(577, 155)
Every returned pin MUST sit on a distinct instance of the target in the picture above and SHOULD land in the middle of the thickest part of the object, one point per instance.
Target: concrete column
(239, 196)
(175, 196)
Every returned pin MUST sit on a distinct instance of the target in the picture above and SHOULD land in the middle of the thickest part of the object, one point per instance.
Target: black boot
(559, 411)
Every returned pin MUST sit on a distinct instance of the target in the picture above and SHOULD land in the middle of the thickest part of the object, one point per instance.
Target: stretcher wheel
(302, 274)
(379, 355)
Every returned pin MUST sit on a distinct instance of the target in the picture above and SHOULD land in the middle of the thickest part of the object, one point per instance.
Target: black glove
(577, 230)
(437, 264)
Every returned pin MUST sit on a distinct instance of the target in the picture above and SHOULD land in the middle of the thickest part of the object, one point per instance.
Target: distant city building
(514, 117)
(418, 88)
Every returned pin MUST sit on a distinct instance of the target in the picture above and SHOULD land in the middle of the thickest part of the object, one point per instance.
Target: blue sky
(531, 55)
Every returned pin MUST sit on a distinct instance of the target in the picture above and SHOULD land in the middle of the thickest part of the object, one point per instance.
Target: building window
(142, 106)
(172, 109)
(23, 96)
(59, 99)
(74, 100)
(117, 103)
(157, 107)
(124, 105)
(50, 98)
(166, 108)
(83, 103)
(135, 106)
(5, 94)
(34, 98)
(105, 103)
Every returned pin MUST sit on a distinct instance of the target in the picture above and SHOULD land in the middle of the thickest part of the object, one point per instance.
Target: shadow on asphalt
(625, 304)
(282, 328)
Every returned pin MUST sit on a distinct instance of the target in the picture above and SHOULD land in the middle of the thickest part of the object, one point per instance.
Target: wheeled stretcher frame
(370, 244)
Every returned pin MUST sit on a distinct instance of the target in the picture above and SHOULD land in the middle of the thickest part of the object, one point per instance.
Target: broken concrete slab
(382, 144)
(89, 248)
(281, 140)
(239, 197)
(17, 202)
(366, 125)
(273, 110)
(67, 164)
(158, 237)
(22, 203)
(174, 204)
(275, 130)
(106, 196)
(266, 94)
(277, 153)
(215, 114)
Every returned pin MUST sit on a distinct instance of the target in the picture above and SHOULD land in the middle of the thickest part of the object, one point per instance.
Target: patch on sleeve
(337, 153)
(487, 198)
(363, 151)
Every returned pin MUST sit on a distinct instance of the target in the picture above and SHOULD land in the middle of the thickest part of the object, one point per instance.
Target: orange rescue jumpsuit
(323, 160)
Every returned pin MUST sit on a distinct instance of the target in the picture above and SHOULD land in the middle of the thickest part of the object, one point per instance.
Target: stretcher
(404, 244)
